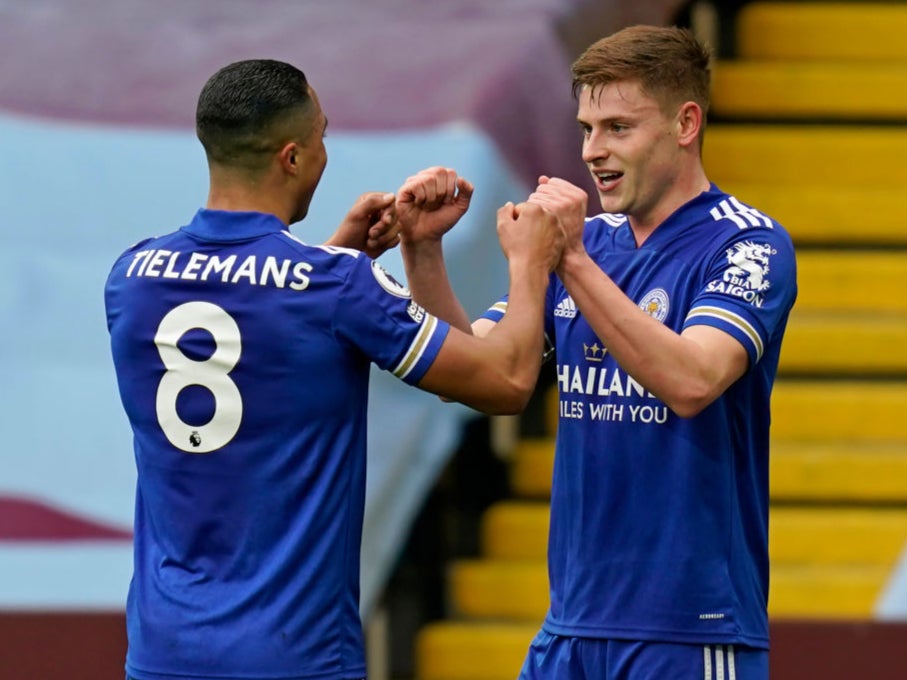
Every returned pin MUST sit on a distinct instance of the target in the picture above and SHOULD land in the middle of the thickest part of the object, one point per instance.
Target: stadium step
(517, 531)
(502, 590)
(531, 467)
(852, 282)
(839, 410)
(458, 650)
(498, 590)
(839, 471)
(826, 31)
(800, 471)
(826, 591)
(848, 317)
(860, 344)
(837, 536)
(808, 90)
(793, 61)
(797, 156)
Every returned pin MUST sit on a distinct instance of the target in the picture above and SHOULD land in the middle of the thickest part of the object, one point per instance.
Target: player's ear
(290, 157)
(689, 123)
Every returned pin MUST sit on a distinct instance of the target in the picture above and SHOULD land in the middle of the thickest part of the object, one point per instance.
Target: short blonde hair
(670, 64)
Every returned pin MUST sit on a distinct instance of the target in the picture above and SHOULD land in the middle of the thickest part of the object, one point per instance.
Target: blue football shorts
(555, 657)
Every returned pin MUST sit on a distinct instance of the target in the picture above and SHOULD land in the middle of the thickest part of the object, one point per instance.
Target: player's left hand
(565, 200)
(430, 203)
(371, 225)
(531, 232)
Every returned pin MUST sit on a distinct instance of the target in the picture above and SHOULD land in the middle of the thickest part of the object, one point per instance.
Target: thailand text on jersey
(242, 357)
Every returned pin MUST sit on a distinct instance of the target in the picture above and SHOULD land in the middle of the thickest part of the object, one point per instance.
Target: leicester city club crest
(655, 303)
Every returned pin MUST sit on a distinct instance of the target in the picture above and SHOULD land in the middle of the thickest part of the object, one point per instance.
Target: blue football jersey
(242, 357)
(659, 524)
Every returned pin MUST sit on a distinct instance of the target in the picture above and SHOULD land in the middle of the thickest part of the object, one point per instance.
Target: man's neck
(644, 225)
(246, 198)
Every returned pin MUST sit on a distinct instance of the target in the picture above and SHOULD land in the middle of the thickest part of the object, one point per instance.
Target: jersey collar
(679, 220)
(228, 225)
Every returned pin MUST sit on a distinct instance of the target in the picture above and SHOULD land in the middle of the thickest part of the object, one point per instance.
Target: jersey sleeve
(498, 309)
(378, 315)
(750, 288)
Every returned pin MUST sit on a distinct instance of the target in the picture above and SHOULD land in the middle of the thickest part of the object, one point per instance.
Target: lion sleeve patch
(748, 272)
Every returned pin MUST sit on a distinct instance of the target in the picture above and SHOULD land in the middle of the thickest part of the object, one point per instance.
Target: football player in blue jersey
(242, 357)
(667, 311)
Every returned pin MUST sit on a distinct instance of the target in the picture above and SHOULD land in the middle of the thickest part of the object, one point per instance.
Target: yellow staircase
(816, 60)
(809, 124)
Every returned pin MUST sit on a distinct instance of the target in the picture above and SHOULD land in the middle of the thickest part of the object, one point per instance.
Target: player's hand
(529, 231)
(568, 202)
(371, 225)
(430, 203)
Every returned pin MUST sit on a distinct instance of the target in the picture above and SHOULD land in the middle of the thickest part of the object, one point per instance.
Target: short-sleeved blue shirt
(659, 523)
(242, 357)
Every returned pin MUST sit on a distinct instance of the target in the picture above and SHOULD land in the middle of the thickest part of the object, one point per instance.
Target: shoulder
(748, 240)
(735, 215)
(349, 263)
(138, 247)
(328, 253)
(329, 260)
(725, 226)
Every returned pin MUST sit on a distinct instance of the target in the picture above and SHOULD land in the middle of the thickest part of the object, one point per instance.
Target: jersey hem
(685, 637)
(354, 673)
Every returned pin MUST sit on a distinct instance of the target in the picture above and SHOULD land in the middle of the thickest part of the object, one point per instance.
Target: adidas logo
(566, 308)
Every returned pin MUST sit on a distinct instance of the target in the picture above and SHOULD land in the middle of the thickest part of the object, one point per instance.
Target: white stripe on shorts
(724, 666)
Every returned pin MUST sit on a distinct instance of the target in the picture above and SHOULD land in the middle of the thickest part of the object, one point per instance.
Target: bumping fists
(531, 232)
(568, 202)
(433, 200)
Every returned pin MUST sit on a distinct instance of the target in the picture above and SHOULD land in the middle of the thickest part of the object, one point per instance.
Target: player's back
(248, 412)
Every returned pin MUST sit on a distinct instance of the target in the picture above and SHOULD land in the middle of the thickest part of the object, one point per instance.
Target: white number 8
(212, 374)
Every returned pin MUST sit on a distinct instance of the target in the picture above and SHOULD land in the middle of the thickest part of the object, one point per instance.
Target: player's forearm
(673, 368)
(519, 336)
(426, 274)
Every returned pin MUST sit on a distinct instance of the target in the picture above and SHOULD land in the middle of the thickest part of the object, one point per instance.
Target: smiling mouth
(604, 178)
